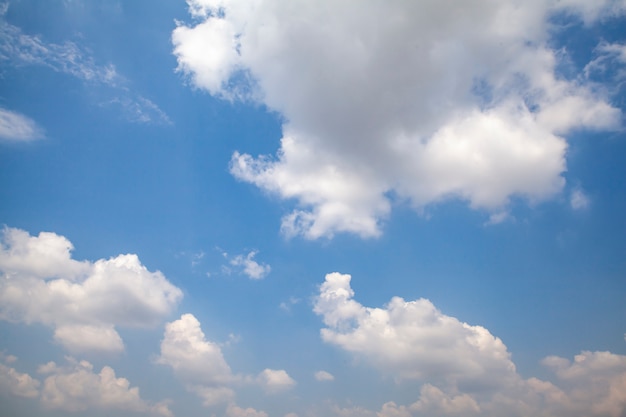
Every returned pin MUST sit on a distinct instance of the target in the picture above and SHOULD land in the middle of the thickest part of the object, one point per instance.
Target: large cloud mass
(76, 387)
(465, 370)
(412, 339)
(83, 301)
(423, 101)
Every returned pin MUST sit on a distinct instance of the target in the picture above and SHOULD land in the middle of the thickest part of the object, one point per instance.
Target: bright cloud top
(411, 340)
(423, 100)
(200, 364)
(75, 387)
(465, 370)
(83, 301)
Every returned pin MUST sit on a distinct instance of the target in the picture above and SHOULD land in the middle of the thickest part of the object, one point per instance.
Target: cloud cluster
(200, 364)
(412, 339)
(465, 370)
(76, 387)
(409, 101)
(83, 301)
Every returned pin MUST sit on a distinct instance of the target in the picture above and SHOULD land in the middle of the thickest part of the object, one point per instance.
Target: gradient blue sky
(313, 209)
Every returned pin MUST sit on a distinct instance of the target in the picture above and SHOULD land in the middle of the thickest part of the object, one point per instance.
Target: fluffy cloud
(83, 301)
(195, 360)
(412, 339)
(235, 411)
(324, 376)
(275, 380)
(16, 127)
(466, 371)
(251, 268)
(16, 383)
(415, 101)
(76, 387)
(200, 364)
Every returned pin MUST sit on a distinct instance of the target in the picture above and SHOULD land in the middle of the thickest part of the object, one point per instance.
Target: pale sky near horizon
(270, 208)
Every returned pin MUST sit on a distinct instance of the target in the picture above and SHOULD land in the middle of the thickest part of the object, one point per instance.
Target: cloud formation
(76, 387)
(324, 376)
(464, 369)
(274, 381)
(83, 301)
(249, 267)
(200, 365)
(15, 127)
(18, 49)
(412, 339)
(417, 102)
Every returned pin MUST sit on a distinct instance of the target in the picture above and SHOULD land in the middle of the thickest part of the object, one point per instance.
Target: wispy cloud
(16, 127)
(18, 49)
(579, 200)
(245, 264)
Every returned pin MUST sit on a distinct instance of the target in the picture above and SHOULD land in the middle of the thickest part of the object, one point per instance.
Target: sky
(278, 208)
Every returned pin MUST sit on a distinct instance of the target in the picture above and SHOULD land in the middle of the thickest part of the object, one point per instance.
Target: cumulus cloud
(409, 101)
(465, 370)
(234, 410)
(412, 339)
(249, 267)
(324, 376)
(200, 364)
(275, 380)
(15, 127)
(16, 383)
(76, 387)
(18, 49)
(83, 301)
(195, 360)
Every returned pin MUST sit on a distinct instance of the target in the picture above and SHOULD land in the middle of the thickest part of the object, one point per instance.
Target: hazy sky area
(290, 208)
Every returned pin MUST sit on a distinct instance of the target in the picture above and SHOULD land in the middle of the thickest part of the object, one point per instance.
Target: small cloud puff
(323, 376)
(275, 380)
(249, 267)
(579, 200)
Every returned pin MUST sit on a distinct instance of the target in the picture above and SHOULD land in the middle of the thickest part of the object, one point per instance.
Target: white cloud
(579, 200)
(76, 387)
(324, 376)
(412, 339)
(15, 127)
(20, 49)
(465, 370)
(420, 101)
(275, 380)
(83, 301)
(286, 305)
(433, 402)
(249, 267)
(200, 364)
(17, 383)
(193, 358)
(235, 411)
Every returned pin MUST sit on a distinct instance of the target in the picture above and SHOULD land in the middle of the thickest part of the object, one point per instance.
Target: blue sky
(312, 209)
